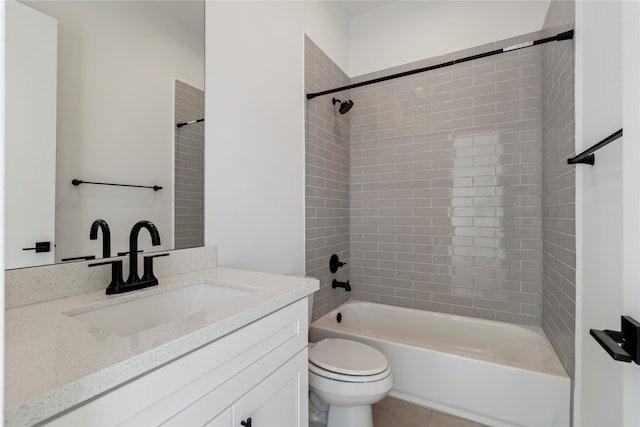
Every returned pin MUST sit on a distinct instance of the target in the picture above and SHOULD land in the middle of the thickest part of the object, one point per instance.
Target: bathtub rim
(553, 366)
(499, 406)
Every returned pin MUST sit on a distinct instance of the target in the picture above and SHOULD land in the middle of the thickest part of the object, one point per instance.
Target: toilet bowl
(345, 379)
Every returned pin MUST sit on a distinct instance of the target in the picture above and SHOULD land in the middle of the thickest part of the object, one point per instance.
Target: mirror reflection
(94, 92)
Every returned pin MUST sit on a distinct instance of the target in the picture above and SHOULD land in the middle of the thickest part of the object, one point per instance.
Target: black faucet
(106, 236)
(133, 250)
(134, 282)
(345, 285)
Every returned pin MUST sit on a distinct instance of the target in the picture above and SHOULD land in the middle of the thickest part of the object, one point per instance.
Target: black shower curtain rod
(567, 35)
(189, 123)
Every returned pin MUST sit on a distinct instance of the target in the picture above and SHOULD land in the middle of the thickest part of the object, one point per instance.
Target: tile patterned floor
(391, 412)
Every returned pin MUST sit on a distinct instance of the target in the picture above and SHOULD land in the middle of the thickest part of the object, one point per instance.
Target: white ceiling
(358, 7)
(190, 13)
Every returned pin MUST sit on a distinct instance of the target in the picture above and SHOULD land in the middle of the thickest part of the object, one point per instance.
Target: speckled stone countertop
(54, 362)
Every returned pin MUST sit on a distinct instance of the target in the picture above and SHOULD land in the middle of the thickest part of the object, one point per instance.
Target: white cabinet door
(31, 58)
(225, 419)
(280, 400)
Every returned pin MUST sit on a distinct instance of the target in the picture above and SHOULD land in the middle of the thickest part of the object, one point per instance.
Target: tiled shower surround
(327, 179)
(189, 168)
(558, 202)
(446, 186)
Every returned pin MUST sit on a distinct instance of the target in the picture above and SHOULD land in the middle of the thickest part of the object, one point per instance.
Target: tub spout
(345, 285)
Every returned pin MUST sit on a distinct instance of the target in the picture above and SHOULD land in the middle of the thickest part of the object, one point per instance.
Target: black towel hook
(623, 345)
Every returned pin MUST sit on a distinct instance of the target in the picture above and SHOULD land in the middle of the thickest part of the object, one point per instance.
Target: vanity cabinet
(273, 402)
(257, 372)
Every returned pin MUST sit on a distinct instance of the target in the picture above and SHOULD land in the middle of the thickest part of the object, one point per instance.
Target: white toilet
(345, 379)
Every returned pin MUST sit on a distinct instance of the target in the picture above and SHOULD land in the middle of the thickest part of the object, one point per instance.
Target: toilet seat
(348, 378)
(348, 361)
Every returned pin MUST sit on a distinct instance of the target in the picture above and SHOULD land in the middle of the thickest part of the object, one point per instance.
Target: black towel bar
(587, 157)
(79, 181)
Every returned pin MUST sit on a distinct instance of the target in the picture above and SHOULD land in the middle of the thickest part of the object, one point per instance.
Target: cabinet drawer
(157, 396)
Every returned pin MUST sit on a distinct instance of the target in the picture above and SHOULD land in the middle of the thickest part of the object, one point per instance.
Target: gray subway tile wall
(558, 207)
(446, 186)
(327, 179)
(189, 168)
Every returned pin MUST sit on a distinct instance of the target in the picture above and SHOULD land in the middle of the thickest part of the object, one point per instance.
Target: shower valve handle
(335, 263)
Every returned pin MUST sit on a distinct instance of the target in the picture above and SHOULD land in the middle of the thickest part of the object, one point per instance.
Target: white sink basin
(146, 312)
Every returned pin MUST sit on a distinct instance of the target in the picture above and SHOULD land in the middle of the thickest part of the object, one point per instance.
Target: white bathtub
(494, 373)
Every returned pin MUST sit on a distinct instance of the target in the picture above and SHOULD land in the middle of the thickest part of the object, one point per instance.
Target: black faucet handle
(147, 275)
(335, 263)
(127, 252)
(157, 256)
(116, 275)
(79, 258)
(106, 236)
(105, 262)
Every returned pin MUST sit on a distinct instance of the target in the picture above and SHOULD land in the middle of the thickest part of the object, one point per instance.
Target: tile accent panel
(558, 199)
(327, 179)
(446, 186)
(189, 168)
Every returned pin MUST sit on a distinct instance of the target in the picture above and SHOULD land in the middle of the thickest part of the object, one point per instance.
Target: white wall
(255, 102)
(2, 142)
(254, 157)
(631, 195)
(31, 58)
(408, 31)
(117, 64)
(599, 211)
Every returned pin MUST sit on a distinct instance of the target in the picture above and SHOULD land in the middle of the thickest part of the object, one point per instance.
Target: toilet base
(323, 415)
(318, 412)
(349, 416)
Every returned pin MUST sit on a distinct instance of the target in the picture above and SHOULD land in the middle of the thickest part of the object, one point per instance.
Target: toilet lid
(348, 378)
(347, 357)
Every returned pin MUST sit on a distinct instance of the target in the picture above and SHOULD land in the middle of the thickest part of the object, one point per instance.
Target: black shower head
(344, 105)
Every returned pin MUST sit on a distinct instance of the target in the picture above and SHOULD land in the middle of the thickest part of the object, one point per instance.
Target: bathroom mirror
(119, 67)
